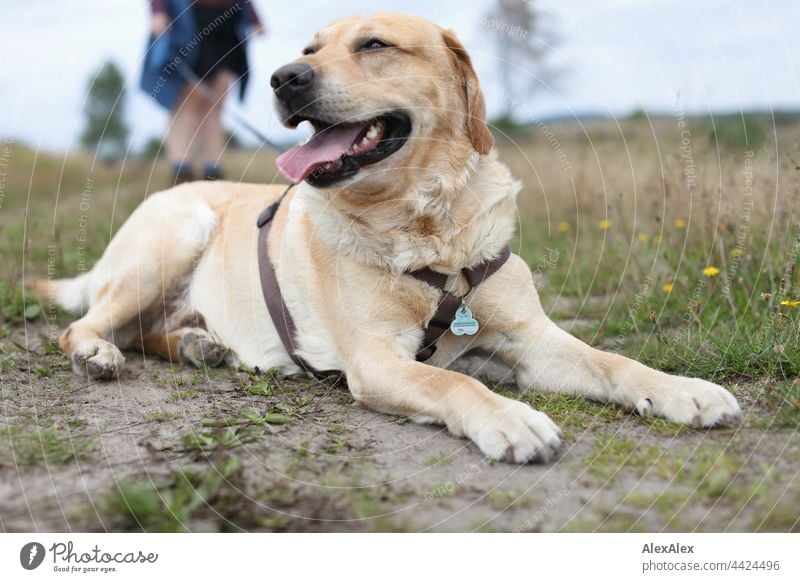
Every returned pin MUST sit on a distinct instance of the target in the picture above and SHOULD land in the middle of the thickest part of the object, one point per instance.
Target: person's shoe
(182, 173)
(212, 173)
(181, 177)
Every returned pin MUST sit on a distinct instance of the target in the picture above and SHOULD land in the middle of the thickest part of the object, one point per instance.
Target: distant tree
(522, 43)
(153, 148)
(232, 141)
(105, 127)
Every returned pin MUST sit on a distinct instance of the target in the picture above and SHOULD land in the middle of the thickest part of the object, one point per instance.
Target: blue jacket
(170, 53)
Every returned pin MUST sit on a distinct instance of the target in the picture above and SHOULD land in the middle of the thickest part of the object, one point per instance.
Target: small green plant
(264, 384)
(180, 395)
(51, 444)
(229, 433)
(142, 505)
(160, 415)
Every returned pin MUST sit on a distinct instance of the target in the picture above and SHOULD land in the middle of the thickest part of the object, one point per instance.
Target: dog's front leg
(504, 429)
(548, 358)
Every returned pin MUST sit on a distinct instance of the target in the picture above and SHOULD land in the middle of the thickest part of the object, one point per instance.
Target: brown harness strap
(437, 326)
(449, 303)
(273, 297)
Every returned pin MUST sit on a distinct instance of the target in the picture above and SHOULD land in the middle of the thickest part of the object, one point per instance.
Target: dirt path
(226, 450)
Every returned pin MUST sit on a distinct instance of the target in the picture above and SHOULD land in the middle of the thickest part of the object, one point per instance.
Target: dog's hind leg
(152, 252)
(190, 345)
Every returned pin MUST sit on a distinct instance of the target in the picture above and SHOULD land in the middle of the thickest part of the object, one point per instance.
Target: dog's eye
(372, 44)
(309, 50)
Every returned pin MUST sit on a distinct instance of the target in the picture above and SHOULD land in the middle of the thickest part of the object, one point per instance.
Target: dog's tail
(70, 294)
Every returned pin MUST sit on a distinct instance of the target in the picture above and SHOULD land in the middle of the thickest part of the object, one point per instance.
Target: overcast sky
(614, 56)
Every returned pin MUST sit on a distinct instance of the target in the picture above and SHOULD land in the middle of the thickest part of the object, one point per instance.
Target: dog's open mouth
(338, 151)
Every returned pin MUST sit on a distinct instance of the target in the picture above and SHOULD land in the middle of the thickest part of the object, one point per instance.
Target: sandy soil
(323, 463)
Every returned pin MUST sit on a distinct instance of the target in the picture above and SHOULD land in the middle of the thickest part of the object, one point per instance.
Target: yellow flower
(604, 224)
(563, 226)
(737, 252)
(667, 287)
(642, 237)
(657, 239)
(710, 271)
(790, 303)
(680, 224)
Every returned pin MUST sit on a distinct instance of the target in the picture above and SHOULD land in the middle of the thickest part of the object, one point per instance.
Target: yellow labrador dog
(400, 176)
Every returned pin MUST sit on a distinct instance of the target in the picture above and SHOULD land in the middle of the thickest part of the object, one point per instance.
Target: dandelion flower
(563, 227)
(710, 271)
(604, 224)
(790, 303)
(737, 252)
(657, 239)
(667, 287)
(642, 237)
(680, 224)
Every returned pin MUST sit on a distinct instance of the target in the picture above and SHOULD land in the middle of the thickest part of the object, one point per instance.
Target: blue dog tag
(464, 323)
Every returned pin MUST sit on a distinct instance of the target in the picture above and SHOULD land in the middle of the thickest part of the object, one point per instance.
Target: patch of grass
(297, 405)
(75, 422)
(179, 395)
(649, 288)
(335, 444)
(664, 427)
(264, 384)
(738, 133)
(51, 444)
(705, 478)
(501, 500)
(612, 454)
(219, 439)
(10, 361)
(142, 505)
(438, 459)
(782, 400)
(572, 413)
(229, 433)
(780, 514)
(14, 302)
(160, 415)
(611, 521)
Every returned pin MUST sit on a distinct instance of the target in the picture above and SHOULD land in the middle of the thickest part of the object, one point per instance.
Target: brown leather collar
(437, 326)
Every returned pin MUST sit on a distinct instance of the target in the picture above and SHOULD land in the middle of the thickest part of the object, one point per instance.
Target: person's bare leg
(211, 133)
(182, 130)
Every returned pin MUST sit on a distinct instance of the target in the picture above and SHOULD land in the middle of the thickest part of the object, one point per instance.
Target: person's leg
(211, 133)
(184, 121)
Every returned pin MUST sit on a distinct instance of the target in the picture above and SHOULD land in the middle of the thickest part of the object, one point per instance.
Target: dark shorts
(219, 47)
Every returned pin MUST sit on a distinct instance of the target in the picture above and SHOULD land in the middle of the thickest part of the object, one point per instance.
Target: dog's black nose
(291, 80)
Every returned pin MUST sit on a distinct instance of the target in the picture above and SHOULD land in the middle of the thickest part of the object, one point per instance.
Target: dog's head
(387, 95)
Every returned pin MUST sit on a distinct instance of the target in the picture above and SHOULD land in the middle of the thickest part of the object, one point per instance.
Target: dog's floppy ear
(479, 134)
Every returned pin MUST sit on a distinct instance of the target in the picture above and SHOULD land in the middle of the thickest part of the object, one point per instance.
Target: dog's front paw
(97, 360)
(691, 401)
(514, 433)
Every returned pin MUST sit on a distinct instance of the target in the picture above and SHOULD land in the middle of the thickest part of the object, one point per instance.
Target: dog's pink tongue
(325, 146)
